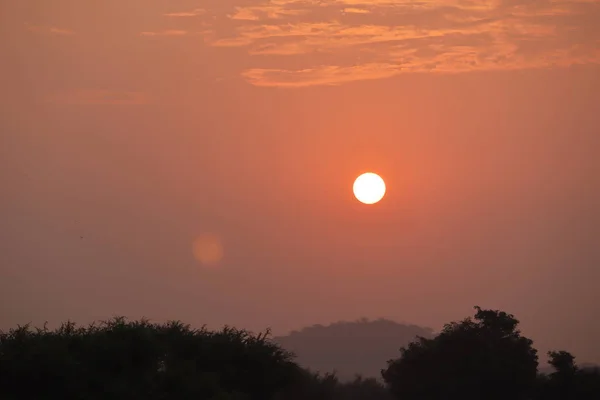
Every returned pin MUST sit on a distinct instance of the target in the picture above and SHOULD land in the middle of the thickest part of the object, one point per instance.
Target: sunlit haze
(194, 160)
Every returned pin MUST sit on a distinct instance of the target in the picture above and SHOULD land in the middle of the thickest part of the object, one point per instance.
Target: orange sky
(141, 125)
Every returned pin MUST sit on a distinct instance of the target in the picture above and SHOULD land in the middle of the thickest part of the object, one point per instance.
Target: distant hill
(547, 369)
(589, 366)
(350, 348)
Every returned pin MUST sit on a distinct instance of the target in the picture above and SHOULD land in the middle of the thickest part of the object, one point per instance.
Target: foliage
(316, 386)
(568, 381)
(130, 360)
(485, 357)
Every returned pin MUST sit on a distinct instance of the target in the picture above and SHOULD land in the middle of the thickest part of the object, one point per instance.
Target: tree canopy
(568, 381)
(484, 357)
(481, 357)
(119, 359)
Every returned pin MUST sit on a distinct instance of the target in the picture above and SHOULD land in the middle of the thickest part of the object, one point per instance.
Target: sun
(369, 188)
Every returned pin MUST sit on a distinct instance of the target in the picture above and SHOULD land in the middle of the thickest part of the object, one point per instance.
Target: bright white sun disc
(369, 188)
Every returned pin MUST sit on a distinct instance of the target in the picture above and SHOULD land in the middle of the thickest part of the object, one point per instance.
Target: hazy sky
(130, 128)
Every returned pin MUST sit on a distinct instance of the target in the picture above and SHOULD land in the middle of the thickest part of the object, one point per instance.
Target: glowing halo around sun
(369, 188)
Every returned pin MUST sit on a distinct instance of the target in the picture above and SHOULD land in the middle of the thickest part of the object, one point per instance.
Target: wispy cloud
(194, 13)
(353, 10)
(323, 75)
(168, 32)
(345, 40)
(265, 12)
(50, 30)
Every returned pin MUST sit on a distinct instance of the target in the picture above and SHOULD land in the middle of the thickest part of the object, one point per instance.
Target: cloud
(194, 13)
(323, 75)
(353, 10)
(314, 42)
(168, 32)
(99, 97)
(264, 12)
(51, 30)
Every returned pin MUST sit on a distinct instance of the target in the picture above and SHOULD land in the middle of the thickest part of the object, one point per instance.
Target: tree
(311, 385)
(481, 358)
(363, 389)
(568, 381)
(563, 363)
(140, 360)
(316, 386)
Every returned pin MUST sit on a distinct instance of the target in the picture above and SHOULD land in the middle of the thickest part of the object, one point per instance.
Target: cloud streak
(323, 75)
(194, 13)
(168, 32)
(49, 30)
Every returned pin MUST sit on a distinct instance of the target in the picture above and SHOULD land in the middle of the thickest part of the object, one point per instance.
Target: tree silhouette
(316, 386)
(484, 357)
(135, 360)
(481, 358)
(563, 363)
(363, 389)
(568, 381)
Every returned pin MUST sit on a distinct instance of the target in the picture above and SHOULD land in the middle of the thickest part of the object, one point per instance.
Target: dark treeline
(483, 357)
